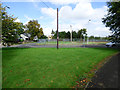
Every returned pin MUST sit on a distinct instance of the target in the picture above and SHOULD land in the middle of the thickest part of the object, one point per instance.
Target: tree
(68, 35)
(43, 37)
(33, 28)
(10, 28)
(81, 33)
(112, 20)
(55, 35)
(52, 32)
(74, 34)
(97, 38)
(91, 37)
(62, 34)
(20, 28)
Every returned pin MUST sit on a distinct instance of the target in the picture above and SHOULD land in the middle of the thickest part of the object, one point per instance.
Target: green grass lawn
(96, 43)
(49, 67)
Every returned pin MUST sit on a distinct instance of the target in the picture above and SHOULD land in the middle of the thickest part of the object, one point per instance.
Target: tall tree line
(67, 35)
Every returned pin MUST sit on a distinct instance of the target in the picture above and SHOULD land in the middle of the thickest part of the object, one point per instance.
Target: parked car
(110, 44)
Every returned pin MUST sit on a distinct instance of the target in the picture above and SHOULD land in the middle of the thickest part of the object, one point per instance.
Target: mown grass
(48, 67)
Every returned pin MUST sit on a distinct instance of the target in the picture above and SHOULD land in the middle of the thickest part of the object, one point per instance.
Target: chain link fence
(62, 43)
(68, 42)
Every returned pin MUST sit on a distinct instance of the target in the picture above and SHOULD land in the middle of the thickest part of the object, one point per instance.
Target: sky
(78, 13)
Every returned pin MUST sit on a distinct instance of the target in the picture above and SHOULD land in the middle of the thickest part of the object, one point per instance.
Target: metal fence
(62, 43)
(69, 40)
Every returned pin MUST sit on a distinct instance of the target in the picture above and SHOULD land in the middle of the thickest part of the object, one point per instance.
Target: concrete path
(107, 76)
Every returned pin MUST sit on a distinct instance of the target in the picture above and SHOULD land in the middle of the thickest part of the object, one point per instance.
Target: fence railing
(69, 40)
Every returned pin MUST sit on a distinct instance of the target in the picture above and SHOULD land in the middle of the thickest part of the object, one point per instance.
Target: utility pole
(71, 32)
(87, 40)
(57, 30)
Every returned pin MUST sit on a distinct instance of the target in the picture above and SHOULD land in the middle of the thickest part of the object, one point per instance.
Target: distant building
(27, 34)
(24, 37)
(35, 38)
(50, 37)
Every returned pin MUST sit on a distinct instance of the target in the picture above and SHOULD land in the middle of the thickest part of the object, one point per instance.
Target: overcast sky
(71, 12)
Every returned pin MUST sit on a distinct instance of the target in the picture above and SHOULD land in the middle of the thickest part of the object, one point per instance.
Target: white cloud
(41, 17)
(59, 1)
(78, 17)
(49, 11)
(17, 20)
(63, 2)
(82, 11)
(47, 30)
(27, 17)
(25, 23)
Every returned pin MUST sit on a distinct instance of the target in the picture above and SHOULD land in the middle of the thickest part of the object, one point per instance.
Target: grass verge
(49, 67)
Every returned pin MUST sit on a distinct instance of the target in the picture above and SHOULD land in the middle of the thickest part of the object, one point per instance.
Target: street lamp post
(84, 39)
(71, 32)
(87, 39)
(87, 36)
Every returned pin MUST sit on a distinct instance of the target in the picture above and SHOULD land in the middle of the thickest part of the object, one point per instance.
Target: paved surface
(30, 45)
(34, 45)
(107, 76)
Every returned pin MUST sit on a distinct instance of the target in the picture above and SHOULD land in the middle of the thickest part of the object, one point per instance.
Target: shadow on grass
(10, 52)
(106, 49)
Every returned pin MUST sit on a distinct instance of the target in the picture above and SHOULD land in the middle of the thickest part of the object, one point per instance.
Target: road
(30, 45)
(107, 76)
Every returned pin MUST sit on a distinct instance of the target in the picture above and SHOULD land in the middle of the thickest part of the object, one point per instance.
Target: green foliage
(52, 32)
(33, 28)
(91, 37)
(68, 35)
(97, 38)
(112, 20)
(81, 33)
(62, 34)
(10, 29)
(55, 35)
(75, 34)
(43, 37)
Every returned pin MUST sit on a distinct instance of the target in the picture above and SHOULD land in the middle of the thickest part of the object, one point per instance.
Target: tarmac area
(35, 45)
(108, 75)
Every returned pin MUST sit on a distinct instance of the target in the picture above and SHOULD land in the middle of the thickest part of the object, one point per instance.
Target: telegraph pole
(57, 30)
(71, 32)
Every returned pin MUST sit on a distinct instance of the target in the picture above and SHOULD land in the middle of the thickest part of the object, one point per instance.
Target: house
(24, 37)
(35, 38)
(50, 37)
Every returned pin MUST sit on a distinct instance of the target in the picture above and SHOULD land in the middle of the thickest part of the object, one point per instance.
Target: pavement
(35, 45)
(107, 76)
(31, 45)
